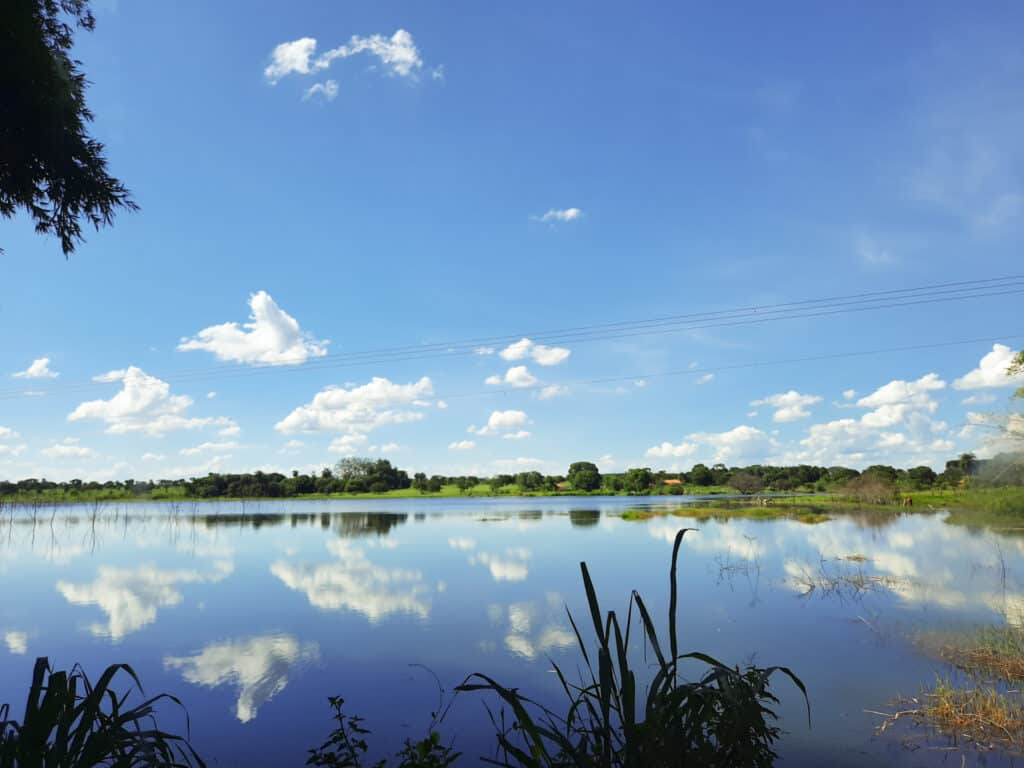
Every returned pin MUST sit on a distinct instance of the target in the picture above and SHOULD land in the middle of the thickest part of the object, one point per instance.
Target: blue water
(253, 614)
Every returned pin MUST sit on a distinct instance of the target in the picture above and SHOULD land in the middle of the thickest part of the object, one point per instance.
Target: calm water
(253, 614)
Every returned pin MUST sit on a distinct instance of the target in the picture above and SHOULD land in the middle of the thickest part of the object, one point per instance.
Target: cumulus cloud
(357, 410)
(12, 450)
(742, 444)
(398, 54)
(68, 448)
(144, 404)
(16, 642)
(991, 371)
(789, 406)
(500, 422)
(462, 445)
(327, 89)
(559, 215)
(552, 390)
(543, 355)
(6, 433)
(40, 369)
(520, 435)
(849, 394)
(209, 447)
(272, 337)
(257, 666)
(509, 566)
(667, 450)
(517, 376)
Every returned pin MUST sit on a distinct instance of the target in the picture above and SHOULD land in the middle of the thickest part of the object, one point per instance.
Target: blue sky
(378, 175)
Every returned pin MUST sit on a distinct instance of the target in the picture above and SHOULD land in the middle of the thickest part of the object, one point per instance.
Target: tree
(419, 482)
(1017, 369)
(584, 476)
(700, 475)
(922, 477)
(49, 165)
(638, 480)
(746, 483)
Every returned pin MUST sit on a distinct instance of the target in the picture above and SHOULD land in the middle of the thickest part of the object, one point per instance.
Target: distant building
(562, 486)
(673, 481)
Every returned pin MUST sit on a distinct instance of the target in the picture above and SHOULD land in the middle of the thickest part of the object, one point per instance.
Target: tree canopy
(49, 164)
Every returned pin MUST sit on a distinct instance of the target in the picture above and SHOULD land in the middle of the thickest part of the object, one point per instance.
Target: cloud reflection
(355, 583)
(257, 666)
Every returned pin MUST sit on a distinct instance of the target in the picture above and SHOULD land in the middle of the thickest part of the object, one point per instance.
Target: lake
(253, 614)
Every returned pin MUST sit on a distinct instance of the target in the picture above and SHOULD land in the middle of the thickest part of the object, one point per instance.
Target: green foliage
(49, 165)
(722, 719)
(744, 482)
(638, 480)
(346, 747)
(1017, 369)
(584, 476)
(70, 723)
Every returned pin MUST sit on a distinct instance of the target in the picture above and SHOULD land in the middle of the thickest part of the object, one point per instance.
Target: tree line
(357, 475)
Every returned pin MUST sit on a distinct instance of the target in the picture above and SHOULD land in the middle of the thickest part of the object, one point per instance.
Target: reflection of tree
(345, 524)
(584, 517)
(379, 523)
(257, 666)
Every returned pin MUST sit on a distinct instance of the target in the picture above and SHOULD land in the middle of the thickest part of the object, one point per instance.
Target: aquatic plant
(724, 718)
(71, 723)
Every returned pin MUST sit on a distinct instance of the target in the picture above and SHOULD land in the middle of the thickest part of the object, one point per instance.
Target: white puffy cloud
(328, 89)
(131, 596)
(707, 377)
(385, 448)
(789, 406)
(272, 337)
(742, 444)
(354, 583)
(397, 53)
(552, 390)
(16, 642)
(6, 433)
(509, 566)
(257, 666)
(906, 393)
(543, 355)
(668, 450)
(357, 410)
(208, 448)
(560, 215)
(991, 371)
(68, 448)
(980, 398)
(40, 369)
(849, 394)
(153, 456)
(484, 351)
(462, 445)
(517, 376)
(501, 421)
(522, 434)
(347, 444)
(144, 404)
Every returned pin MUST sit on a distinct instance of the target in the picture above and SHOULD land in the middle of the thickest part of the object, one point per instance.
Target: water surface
(254, 613)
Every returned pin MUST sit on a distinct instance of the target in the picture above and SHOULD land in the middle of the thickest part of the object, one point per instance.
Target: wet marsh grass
(725, 512)
(988, 653)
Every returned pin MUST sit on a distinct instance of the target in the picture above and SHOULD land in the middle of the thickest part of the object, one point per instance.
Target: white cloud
(742, 444)
(510, 566)
(357, 410)
(789, 406)
(257, 666)
(153, 457)
(6, 433)
(131, 596)
(208, 448)
(232, 430)
(40, 369)
(462, 445)
(385, 448)
(564, 214)
(144, 404)
(991, 371)
(346, 444)
(484, 351)
(210, 395)
(849, 394)
(328, 89)
(520, 435)
(872, 253)
(16, 642)
(12, 450)
(552, 390)
(500, 421)
(272, 337)
(706, 378)
(397, 53)
(517, 376)
(982, 398)
(354, 583)
(67, 449)
(543, 355)
(464, 543)
(667, 449)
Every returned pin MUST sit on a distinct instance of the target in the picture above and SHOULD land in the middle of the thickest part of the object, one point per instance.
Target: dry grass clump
(991, 653)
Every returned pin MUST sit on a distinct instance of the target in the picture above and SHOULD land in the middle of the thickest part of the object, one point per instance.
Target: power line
(811, 308)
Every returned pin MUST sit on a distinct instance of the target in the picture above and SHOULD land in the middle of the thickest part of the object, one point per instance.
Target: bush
(871, 489)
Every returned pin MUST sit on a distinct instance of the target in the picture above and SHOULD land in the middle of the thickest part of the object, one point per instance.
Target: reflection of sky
(257, 666)
(224, 609)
